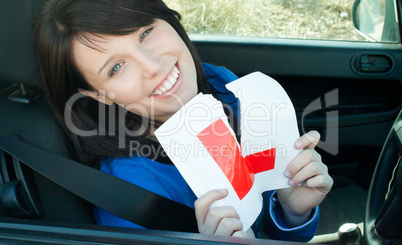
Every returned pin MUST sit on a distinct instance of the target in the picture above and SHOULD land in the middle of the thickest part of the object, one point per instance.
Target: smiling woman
(108, 64)
(150, 71)
(133, 56)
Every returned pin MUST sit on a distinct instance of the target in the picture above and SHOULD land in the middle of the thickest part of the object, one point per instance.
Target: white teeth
(168, 83)
(172, 80)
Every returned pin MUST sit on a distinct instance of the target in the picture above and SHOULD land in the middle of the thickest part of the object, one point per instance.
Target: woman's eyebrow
(106, 63)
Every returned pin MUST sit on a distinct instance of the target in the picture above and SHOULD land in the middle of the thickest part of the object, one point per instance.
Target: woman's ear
(96, 96)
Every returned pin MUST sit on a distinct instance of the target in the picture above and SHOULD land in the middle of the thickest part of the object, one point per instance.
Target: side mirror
(376, 20)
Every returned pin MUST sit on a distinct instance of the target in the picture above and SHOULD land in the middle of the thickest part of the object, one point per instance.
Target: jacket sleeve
(275, 227)
(133, 174)
(162, 179)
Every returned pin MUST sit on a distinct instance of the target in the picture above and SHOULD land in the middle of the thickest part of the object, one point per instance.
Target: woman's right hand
(218, 220)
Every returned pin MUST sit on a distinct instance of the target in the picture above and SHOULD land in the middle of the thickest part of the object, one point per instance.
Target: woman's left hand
(309, 179)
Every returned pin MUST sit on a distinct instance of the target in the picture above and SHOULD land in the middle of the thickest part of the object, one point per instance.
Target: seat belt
(108, 192)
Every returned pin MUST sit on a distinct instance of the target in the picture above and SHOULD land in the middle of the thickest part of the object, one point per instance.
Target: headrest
(17, 54)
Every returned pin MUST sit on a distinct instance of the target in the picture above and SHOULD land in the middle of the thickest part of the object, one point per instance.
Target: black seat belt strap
(110, 193)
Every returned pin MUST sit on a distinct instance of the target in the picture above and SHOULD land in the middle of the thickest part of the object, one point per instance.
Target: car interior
(353, 109)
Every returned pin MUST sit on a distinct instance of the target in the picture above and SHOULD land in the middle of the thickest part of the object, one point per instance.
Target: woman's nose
(151, 64)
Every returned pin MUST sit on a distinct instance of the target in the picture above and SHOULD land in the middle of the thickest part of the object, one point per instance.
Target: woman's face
(149, 72)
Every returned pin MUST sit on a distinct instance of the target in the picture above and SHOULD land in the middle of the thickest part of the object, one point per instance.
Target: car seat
(25, 114)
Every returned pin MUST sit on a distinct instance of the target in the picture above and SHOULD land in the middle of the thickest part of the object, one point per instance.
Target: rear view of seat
(24, 113)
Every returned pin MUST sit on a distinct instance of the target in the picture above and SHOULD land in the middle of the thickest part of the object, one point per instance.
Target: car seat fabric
(17, 54)
(33, 122)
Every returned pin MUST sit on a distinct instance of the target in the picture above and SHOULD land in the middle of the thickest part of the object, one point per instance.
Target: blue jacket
(165, 180)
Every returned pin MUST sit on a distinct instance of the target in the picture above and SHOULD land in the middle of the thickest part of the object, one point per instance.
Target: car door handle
(375, 63)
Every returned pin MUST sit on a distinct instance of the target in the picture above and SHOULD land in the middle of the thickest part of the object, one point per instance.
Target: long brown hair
(57, 24)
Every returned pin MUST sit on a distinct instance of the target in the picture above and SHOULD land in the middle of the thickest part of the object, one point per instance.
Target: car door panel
(363, 106)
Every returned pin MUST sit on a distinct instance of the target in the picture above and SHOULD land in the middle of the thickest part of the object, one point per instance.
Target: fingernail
(222, 191)
(291, 183)
(298, 144)
(287, 174)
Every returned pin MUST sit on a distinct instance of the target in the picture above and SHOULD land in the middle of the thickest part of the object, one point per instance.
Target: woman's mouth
(167, 85)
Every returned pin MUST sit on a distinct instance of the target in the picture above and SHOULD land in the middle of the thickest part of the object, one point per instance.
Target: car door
(344, 81)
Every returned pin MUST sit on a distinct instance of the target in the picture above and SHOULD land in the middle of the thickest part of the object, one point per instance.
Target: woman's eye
(145, 33)
(115, 69)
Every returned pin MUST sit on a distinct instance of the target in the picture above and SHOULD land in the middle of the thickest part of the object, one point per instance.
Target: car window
(301, 19)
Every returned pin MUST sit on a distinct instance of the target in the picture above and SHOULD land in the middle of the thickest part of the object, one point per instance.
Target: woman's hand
(309, 178)
(218, 220)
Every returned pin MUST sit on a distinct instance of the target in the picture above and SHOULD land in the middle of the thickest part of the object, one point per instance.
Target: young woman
(115, 70)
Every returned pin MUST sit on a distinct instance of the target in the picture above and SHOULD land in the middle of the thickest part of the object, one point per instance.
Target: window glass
(306, 19)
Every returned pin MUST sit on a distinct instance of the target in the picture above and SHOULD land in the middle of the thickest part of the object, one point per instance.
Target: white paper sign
(202, 145)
